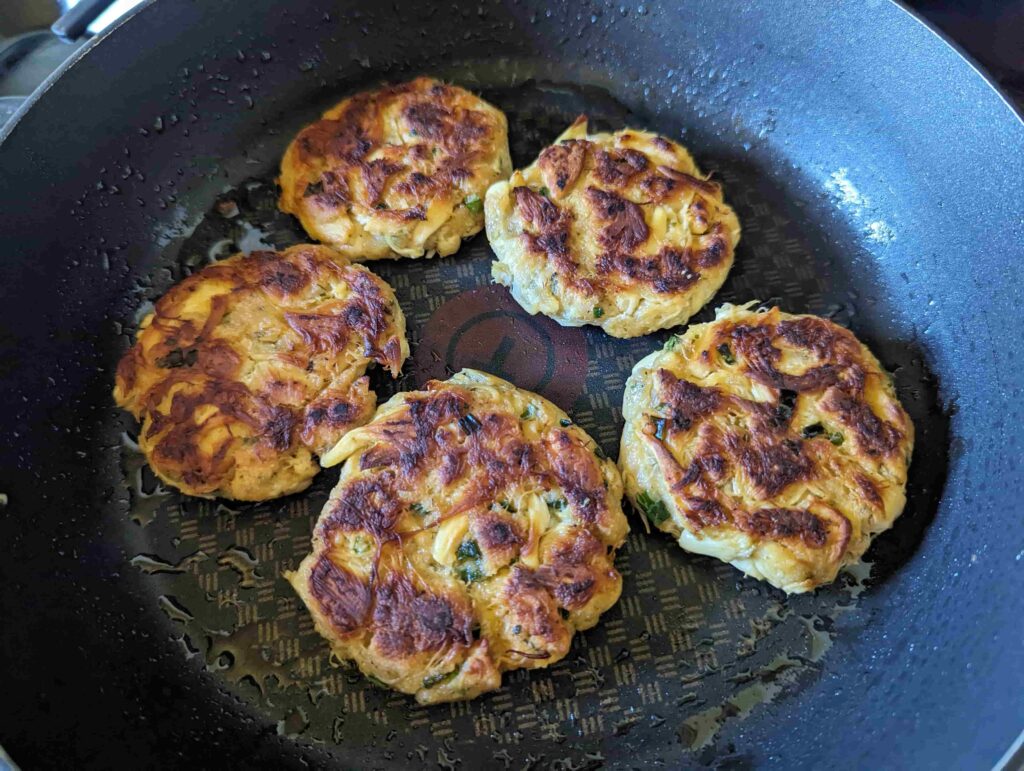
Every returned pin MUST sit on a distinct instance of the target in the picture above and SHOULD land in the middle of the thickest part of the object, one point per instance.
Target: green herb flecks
(468, 550)
(474, 203)
(813, 430)
(419, 509)
(507, 505)
(565, 422)
(671, 343)
(178, 358)
(545, 192)
(598, 311)
(556, 504)
(469, 423)
(658, 424)
(529, 413)
(431, 680)
(787, 403)
(726, 353)
(470, 572)
(835, 437)
(654, 509)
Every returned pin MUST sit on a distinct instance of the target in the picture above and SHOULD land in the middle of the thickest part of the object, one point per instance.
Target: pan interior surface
(176, 607)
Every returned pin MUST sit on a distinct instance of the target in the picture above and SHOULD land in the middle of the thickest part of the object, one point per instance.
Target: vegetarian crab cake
(247, 369)
(472, 532)
(617, 230)
(396, 172)
(773, 442)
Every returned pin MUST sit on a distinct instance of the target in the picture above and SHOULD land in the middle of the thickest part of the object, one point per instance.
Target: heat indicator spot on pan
(486, 329)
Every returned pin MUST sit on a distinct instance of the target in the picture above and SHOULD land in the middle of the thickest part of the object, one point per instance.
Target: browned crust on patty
(473, 455)
(438, 432)
(761, 442)
(609, 186)
(391, 153)
(266, 360)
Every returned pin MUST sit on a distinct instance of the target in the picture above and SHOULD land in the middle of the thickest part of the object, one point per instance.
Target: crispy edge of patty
(575, 232)
(256, 444)
(411, 188)
(760, 528)
(371, 501)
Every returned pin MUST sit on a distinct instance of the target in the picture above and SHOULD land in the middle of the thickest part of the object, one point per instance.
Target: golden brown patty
(472, 532)
(251, 366)
(617, 230)
(396, 172)
(773, 442)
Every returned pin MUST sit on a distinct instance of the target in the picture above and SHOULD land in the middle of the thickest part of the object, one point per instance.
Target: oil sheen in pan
(691, 649)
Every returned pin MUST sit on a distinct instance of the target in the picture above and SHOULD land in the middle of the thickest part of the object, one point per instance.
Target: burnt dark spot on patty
(686, 401)
(342, 597)
(409, 620)
(786, 523)
(624, 227)
(876, 436)
(771, 462)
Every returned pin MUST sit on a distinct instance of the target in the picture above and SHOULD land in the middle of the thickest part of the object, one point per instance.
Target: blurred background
(991, 31)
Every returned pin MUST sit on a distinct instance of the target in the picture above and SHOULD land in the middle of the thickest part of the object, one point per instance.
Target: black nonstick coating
(879, 182)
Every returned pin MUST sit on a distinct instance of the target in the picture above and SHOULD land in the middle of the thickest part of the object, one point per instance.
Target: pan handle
(73, 23)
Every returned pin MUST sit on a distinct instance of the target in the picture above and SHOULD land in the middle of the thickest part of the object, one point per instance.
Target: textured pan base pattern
(690, 650)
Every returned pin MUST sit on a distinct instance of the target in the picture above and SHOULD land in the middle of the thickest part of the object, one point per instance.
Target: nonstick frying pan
(880, 181)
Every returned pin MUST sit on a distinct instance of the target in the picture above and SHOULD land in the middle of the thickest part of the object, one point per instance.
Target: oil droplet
(294, 723)
(151, 563)
(242, 655)
(698, 731)
(243, 563)
(175, 610)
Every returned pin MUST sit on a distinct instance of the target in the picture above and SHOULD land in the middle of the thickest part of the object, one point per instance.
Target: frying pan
(880, 181)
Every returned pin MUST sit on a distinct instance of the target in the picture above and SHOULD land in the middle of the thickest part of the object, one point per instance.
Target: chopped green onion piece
(469, 423)
(835, 437)
(471, 572)
(726, 353)
(528, 413)
(787, 402)
(545, 192)
(419, 509)
(813, 430)
(565, 422)
(507, 505)
(431, 680)
(474, 204)
(178, 358)
(654, 509)
(671, 343)
(598, 311)
(468, 550)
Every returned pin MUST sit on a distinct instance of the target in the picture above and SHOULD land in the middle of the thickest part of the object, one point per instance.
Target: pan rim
(1015, 746)
(73, 60)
